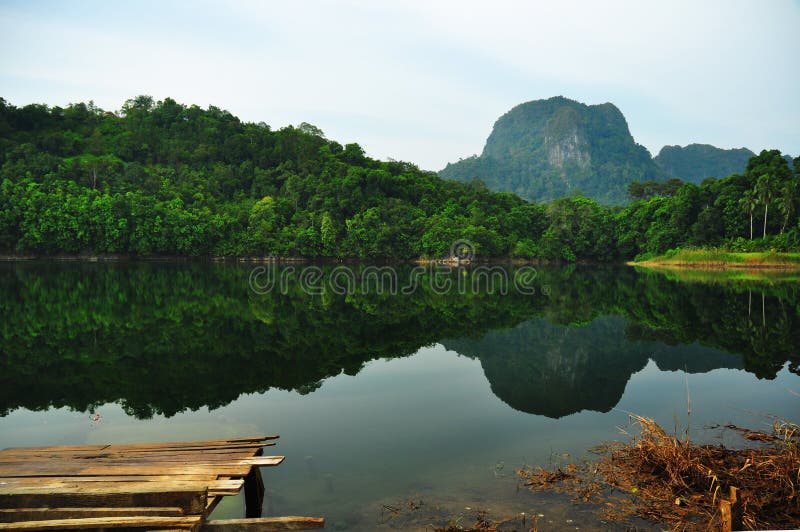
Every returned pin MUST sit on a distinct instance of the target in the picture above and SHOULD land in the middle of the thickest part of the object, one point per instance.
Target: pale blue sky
(420, 80)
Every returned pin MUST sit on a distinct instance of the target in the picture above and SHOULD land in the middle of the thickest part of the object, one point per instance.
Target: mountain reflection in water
(161, 338)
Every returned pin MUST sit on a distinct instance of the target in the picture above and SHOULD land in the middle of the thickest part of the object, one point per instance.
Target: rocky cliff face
(571, 148)
(551, 148)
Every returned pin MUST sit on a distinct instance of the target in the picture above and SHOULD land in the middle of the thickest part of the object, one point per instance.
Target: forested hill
(163, 178)
(696, 162)
(546, 149)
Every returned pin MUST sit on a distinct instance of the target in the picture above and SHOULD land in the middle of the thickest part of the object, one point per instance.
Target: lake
(403, 396)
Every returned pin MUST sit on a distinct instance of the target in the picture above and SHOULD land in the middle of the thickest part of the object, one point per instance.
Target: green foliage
(648, 189)
(167, 179)
(720, 212)
(696, 162)
(164, 178)
(547, 149)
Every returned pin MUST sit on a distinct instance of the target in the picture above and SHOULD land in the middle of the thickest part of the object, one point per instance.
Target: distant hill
(546, 149)
(696, 162)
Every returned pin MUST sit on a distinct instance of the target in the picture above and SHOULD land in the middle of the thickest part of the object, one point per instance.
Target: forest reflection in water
(161, 338)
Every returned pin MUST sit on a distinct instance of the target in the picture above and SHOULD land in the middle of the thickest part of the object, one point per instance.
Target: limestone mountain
(546, 149)
(696, 162)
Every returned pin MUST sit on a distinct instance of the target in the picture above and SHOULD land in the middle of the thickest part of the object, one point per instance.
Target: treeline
(164, 178)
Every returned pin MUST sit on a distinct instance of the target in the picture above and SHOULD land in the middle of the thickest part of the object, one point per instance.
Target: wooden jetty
(144, 486)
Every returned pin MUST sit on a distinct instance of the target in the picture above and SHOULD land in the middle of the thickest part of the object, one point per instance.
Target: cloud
(423, 81)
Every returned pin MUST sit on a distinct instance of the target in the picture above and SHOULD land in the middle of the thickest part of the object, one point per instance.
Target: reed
(670, 480)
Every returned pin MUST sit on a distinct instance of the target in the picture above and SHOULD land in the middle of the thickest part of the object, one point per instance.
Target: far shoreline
(289, 259)
(713, 260)
(294, 259)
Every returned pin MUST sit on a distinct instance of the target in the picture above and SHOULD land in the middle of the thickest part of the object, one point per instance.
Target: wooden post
(254, 491)
(726, 523)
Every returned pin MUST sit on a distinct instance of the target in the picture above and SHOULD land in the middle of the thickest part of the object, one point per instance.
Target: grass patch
(721, 259)
(724, 275)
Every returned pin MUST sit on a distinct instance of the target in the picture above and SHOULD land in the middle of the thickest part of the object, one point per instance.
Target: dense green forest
(696, 162)
(164, 337)
(164, 178)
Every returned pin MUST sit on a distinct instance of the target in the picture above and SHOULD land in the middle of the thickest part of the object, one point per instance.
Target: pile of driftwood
(671, 480)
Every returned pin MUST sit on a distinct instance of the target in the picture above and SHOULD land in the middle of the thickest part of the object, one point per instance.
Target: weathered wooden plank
(149, 522)
(129, 460)
(238, 450)
(231, 470)
(14, 515)
(38, 485)
(244, 447)
(198, 443)
(264, 461)
(211, 504)
(110, 478)
(190, 500)
(65, 448)
(239, 467)
(225, 487)
(131, 446)
(263, 524)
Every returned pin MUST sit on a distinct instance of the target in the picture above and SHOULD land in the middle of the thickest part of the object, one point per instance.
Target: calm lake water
(435, 396)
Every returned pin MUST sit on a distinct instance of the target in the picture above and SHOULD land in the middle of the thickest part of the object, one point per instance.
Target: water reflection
(163, 338)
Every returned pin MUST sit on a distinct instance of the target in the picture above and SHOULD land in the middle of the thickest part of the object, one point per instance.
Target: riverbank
(709, 259)
(671, 480)
(262, 259)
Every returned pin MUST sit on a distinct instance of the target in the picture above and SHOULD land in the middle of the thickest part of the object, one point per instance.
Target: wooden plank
(14, 515)
(190, 500)
(125, 460)
(57, 469)
(65, 448)
(263, 524)
(231, 470)
(225, 487)
(147, 522)
(245, 450)
(42, 485)
(211, 505)
(198, 443)
(212, 447)
(7, 481)
(228, 487)
(160, 445)
(264, 461)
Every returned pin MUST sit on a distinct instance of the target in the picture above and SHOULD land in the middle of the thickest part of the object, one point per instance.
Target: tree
(749, 202)
(310, 129)
(327, 235)
(787, 199)
(636, 190)
(263, 222)
(769, 169)
(766, 188)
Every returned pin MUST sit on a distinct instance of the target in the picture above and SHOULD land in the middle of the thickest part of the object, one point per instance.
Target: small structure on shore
(149, 486)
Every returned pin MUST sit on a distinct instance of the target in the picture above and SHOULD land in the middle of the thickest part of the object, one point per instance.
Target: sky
(422, 81)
